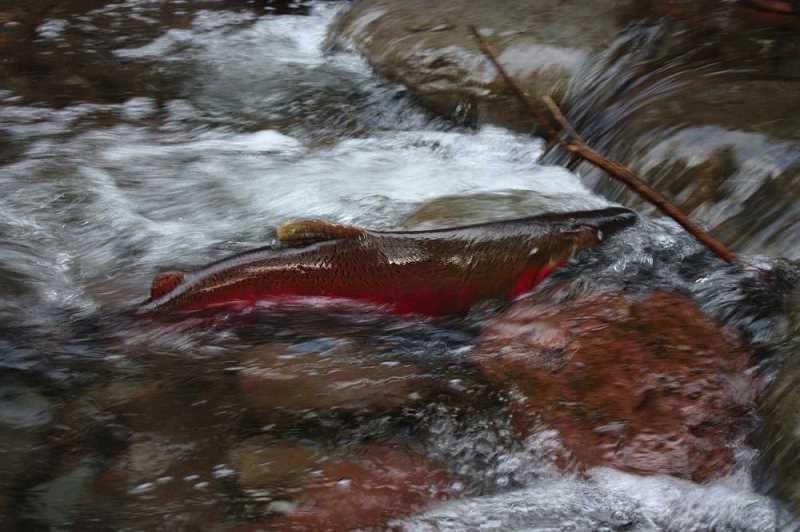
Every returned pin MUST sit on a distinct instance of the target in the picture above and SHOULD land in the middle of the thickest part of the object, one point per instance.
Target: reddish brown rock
(365, 493)
(158, 484)
(651, 385)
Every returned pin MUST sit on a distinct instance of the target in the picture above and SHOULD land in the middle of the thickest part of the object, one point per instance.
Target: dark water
(138, 136)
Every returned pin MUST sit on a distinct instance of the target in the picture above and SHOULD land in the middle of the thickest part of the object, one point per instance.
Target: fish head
(568, 233)
(592, 227)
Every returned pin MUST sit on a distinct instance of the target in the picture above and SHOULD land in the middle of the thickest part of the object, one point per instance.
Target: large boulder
(647, 385)
(428, 47)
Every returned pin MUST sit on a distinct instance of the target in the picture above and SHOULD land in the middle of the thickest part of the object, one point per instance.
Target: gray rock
(56, 501)
(452, 211)
(23, 408)
(427, 46)
(25, 415)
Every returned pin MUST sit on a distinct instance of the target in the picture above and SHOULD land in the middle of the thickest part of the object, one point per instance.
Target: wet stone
(466, 209)
(151, 456)
(428, 47)
(365, 491)
(159, 483)
(149, 460)
(22, 455)
(119, 394)
(264, 463)
(180, 408)
(23, 408)
(647, 385)
(278, 379)
(25, 415)
(779, 439)
(56, 501)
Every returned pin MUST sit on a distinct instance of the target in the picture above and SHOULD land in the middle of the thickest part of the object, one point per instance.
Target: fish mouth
(589, 229)
(606, 221)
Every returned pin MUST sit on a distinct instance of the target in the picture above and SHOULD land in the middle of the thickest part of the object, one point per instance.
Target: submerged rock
(159, 483)
(25, 418)
(452, 211)
(363, 492)
(55, 502)
(264, 463)
(650, 385)
(278, 380)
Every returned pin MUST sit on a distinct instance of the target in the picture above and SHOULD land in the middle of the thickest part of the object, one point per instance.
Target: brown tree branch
(556, 128)
(552, 106)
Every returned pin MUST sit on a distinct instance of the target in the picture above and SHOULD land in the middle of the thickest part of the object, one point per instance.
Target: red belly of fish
(454, 298)
(531, 278)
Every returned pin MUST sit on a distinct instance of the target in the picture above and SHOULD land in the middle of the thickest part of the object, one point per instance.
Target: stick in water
(556, 128)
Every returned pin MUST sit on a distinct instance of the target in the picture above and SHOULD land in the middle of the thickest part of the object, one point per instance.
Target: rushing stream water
(233, 122)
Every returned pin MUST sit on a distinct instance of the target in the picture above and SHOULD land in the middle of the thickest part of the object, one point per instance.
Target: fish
(432, 272)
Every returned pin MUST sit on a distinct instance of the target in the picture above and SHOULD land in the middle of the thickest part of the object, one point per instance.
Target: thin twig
(552, 106)
(574, 159)
(638, 185)
(575, 145)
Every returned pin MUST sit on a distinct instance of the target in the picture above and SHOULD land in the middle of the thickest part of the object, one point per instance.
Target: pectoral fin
(303, 232)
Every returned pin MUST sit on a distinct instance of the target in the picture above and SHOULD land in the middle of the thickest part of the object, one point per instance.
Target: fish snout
(590, 228)
(606, 222)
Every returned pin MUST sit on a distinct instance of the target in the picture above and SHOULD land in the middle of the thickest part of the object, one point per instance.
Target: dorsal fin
(302, 232)
(164, 283)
